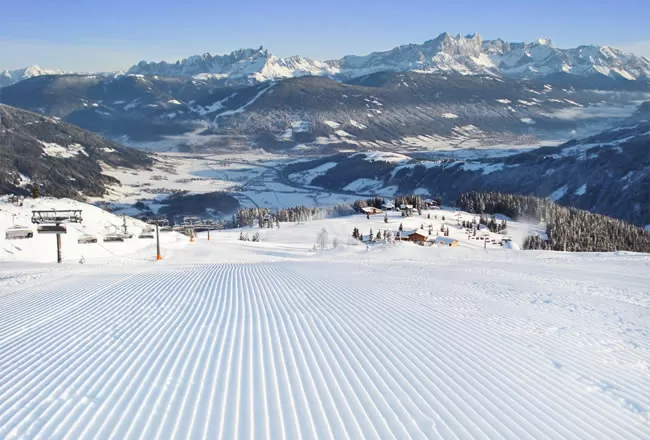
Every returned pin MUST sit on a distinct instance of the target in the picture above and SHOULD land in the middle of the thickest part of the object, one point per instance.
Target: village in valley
(426, 223)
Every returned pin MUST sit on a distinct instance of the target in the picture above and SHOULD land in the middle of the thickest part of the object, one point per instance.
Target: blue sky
(86, 35)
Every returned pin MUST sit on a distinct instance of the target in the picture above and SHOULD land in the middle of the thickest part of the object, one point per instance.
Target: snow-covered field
(232, 339)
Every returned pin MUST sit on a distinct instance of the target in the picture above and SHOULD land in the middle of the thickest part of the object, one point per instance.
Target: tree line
(267, 218)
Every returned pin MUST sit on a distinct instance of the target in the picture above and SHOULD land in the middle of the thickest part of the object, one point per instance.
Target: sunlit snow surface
(230, 339)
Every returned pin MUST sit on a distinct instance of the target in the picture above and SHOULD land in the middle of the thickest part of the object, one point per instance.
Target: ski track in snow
(286, 350)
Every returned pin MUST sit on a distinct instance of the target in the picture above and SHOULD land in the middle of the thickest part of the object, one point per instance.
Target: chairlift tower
(54, 222)
(158, 223)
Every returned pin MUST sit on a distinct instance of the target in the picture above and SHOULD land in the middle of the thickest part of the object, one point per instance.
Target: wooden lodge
(371, 210)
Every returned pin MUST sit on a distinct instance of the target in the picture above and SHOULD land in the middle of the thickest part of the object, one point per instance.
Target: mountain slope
(9, 77)
(397, 109)
(445, 53)
(608, 173)
(64, 160)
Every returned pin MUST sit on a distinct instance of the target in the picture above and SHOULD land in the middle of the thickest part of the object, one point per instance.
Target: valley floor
(230, 339)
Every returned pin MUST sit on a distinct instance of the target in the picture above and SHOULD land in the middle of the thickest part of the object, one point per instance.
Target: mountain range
(444, 54)
(467, 55)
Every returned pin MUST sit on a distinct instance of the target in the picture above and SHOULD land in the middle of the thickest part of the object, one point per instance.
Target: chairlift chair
(108, 238)
(52, 229)
(146, 233)
(87, 239)
(18, 232)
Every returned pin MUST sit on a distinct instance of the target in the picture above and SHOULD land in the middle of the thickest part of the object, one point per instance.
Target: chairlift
(18, 232)
(57, 216)
(52, 229)
(146, 233)
(87, 239)
(113, 238)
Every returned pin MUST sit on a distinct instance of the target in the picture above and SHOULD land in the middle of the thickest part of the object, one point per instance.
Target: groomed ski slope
(390, 342)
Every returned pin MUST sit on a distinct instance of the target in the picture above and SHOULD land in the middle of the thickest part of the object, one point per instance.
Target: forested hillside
(568, 229)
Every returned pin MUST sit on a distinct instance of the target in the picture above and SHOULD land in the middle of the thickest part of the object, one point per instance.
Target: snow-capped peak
(467, 55)
(544, 42)
(8, 77)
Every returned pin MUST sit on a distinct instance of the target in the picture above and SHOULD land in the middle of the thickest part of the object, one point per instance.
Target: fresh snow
(486, 168)
(356, 124)
(300, 126)
(131, 105)
(559, 193)
(528, 121)
(383, 156)
(449, 116)
(582, 190)
(363, 185)
(245, 106)
(343, 133)
(573, 103)
(332, 124)
(231, 339)
(55, 150)
(307, 176)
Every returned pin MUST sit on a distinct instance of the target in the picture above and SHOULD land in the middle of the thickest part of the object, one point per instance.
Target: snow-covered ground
(232, 339)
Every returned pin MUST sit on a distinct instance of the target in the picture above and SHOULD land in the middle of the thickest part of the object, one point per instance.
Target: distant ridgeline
(568, 229)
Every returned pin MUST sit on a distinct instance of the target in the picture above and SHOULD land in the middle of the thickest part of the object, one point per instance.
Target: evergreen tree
(401, 228)
(386, 218)
(35, 191)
